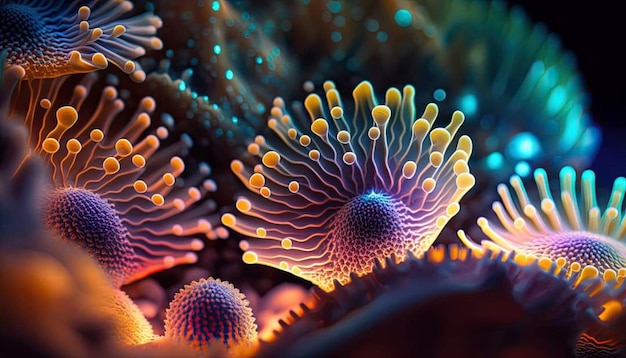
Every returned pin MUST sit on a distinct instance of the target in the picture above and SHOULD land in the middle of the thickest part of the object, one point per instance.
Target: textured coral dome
(587, 248)
(27, 29)
(209, 311)
(336, 191)
(369, 223)
(88, 221)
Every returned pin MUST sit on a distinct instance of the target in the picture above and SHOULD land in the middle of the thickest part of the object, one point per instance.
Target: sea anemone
(328, 203)
(522, 95)
(448, 303)
(574, 231)
(51, 39)
(208, 311)
(112, 190)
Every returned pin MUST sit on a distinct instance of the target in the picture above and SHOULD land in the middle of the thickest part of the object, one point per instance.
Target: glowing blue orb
(522, 169)
(524, 145)
(468, 104)
(403, 18)
(494, 160)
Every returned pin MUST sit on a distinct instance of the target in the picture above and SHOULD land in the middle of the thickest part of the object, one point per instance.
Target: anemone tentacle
(115, 178)
(569, 228)
(51, 39)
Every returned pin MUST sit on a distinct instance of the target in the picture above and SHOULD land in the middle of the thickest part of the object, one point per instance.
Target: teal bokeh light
(468, 104)
(522, 169)
(524, 145)
(403, 18)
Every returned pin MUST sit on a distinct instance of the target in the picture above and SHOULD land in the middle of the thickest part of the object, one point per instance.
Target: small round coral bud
(209, 311)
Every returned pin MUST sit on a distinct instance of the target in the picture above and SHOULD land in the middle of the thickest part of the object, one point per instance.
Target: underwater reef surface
(308, 178)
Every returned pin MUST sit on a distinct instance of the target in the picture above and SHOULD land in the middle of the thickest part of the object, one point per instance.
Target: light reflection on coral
(119, 160)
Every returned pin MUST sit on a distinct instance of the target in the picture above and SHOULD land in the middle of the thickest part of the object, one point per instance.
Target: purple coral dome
(113, 171)
(208, 311)
(88, 221)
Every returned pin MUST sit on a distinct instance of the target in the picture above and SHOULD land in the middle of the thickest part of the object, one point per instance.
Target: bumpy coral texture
(50, 39)
(225, 55)
(88, 221)
(112, 189)
(131, 326)
(208, 311)
(574, 231)
(334, 193)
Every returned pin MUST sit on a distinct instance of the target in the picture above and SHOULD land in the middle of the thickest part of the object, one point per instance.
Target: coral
(50, 39)
(113, 190)
(349, 195)
(448, 303)
(573, 231)
(212, 129)
(354, 190)
(521, 93)
(131, 327)
(209, 311)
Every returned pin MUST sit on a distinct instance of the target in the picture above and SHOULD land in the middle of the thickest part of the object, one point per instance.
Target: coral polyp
(50, 39)
(211, 311)
(575, 231)
(335, 193)
(112, 190)
(89, 221)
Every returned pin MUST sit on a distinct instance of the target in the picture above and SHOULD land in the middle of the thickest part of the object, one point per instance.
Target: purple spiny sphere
(208, 311)
(88, 221)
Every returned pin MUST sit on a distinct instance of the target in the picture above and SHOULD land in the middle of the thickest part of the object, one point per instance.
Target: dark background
(595, 32)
